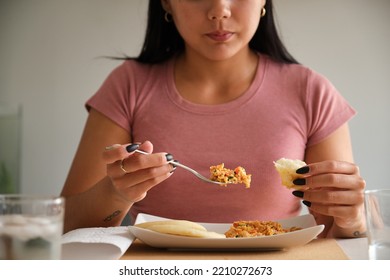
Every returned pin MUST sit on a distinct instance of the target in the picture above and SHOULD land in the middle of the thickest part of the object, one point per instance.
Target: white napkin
(96, 243)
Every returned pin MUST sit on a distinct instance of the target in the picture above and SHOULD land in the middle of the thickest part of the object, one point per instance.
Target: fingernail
(307, 203)
(169, 157)
(132, 147)
(303, 170)
(174, 167)
(298, 193)
(300, 182)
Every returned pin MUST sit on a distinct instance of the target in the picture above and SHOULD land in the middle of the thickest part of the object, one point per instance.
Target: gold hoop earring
(168, 17)
(263, 12)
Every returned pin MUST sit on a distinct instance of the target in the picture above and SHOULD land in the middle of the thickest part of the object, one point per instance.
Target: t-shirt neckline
(189, 106)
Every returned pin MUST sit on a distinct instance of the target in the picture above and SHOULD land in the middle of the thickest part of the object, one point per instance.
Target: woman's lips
(220, 36)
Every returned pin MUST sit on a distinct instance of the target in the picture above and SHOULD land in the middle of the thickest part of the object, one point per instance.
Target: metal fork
(196, 173)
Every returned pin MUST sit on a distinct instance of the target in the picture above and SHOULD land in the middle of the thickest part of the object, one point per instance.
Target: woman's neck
(205, 81)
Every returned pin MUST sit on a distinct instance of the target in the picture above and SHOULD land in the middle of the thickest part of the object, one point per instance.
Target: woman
(214, 84)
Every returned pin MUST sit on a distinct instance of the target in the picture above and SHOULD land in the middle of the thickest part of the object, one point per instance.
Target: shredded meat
(256, 228)
(221, 174)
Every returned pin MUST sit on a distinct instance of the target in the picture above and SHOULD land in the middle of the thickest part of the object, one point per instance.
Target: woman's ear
(166, 5)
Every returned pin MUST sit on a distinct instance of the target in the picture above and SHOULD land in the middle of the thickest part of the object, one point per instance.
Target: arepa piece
(287, 171)
(185, 231)
(181, 228)
(181, 223)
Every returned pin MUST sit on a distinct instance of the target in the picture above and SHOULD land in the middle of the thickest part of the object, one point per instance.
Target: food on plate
(287, 171)
(180, 227)
(181, 223)
(221, 174)
(256, 228)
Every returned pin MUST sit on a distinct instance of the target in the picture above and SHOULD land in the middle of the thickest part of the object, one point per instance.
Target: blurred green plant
(6, 183)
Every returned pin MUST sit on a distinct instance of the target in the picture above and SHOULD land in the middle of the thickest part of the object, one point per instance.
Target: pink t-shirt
(286, 108)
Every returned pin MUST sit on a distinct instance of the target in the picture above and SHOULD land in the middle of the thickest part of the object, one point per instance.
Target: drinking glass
(377, 204)
(31, 227)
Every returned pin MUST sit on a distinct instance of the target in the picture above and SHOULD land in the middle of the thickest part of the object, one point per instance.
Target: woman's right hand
(133, 174)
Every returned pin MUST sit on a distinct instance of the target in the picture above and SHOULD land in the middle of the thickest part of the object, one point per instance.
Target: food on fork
(221, 174)
(287, 171)
(256, 228)
(181, 228)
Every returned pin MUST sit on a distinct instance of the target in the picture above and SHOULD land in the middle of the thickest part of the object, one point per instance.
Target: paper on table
(96, 243)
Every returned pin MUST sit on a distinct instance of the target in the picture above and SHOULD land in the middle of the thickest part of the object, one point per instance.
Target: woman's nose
(219, 9)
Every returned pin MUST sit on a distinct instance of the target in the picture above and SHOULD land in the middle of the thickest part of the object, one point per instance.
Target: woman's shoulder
(295, 71)
(130, 71)
(294, 68)
(141, 67)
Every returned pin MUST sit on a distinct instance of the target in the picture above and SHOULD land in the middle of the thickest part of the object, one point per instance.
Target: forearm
(100, 206)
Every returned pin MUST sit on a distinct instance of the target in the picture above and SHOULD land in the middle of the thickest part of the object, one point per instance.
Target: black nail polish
(307, 203)
(132, 147)
(299, 182)
(174, 166)
(298, 194)
(303, 170)
(169, 157)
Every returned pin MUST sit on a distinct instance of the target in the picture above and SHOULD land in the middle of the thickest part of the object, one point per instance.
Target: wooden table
(318, 249)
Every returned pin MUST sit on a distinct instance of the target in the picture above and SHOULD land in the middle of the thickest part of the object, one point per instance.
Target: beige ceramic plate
(310, 230)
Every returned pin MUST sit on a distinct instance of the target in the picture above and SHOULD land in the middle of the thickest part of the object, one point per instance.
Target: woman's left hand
(335, 189)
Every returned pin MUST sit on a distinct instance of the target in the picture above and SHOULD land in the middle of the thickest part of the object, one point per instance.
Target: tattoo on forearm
(113, 215)
(359, 234)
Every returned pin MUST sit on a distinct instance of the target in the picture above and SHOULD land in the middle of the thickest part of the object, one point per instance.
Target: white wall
(49, 63)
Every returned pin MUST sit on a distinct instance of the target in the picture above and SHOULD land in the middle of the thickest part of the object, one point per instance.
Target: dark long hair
(162, 40)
